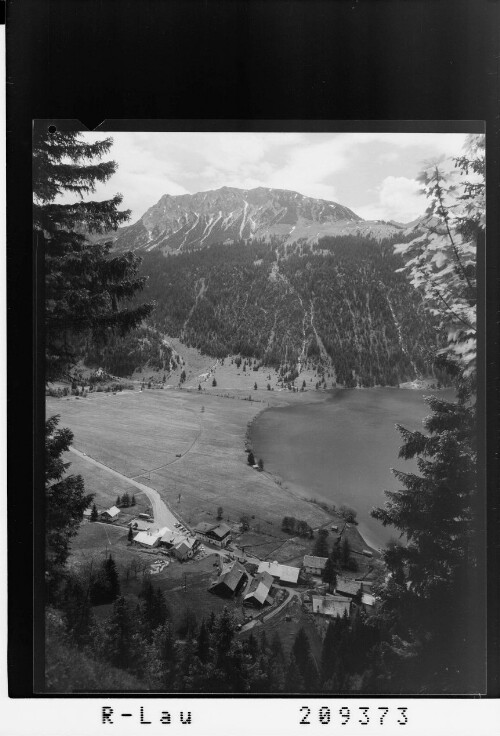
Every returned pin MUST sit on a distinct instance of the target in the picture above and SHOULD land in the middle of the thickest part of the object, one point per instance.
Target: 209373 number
(360, 715)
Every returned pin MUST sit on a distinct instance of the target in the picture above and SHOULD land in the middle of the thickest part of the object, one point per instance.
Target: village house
(284, 574)
(314, 565)
(110, 514)
(258, 593)
(331, 605)
(231, 580)
(149, 538)
(184, 549)
(86, 514)
(216, 534)
(350, 588)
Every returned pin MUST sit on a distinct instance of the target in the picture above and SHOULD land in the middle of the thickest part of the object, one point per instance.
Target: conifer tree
(294, 682)
(320, 548)
(329, 574)
(203, 643)
(93, 514)
(112, 577)
(65, 500)
(86, 288)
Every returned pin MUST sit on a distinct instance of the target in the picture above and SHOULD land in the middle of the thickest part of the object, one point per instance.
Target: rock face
(193, 221)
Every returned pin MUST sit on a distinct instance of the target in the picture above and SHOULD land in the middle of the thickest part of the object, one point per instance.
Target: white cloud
(399, 198)
(337, 166)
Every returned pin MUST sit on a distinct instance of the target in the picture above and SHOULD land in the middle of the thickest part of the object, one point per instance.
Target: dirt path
(163, 516)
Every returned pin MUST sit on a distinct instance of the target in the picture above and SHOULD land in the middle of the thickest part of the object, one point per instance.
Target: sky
(373, 174)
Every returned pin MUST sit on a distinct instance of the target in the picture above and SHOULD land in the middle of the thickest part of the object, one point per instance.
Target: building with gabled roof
(283, 573)
(184, 549)
(314, 565)
(331, 605)
(149, 538)
(216, 534)
(258, 591)
(110, 514)
(350, 588)
(230, 581)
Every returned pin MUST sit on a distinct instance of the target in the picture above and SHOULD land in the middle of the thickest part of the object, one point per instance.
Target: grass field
(181, 442)
(106, 488)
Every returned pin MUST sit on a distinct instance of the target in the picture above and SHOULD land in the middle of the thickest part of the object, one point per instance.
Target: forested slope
(339, 304)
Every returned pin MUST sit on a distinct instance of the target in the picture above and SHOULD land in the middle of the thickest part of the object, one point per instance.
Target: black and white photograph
(261, 426)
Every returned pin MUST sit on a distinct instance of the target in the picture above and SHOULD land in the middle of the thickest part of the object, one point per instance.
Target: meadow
(189, 446)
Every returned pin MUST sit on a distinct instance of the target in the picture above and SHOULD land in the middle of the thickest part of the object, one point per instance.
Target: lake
(341, 450)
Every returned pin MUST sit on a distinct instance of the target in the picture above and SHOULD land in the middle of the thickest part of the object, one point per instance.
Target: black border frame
(244, 60)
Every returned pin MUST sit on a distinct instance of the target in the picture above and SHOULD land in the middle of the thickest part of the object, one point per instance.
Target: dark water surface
(341, 450)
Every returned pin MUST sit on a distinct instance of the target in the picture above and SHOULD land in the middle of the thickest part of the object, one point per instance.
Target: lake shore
(341, 448)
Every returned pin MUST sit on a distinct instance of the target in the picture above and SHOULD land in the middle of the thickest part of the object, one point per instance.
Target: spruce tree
(93, 514)
(86, 288)
(434, 591)
(320, 548)
(112, 579)
(65, 502)
(329, 574)
(294, 682)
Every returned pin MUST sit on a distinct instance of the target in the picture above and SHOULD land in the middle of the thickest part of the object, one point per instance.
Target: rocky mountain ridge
(189, 222)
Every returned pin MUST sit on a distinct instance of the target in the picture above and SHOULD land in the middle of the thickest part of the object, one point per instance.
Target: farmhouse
(216, 534)
(349, 588)
(282, 573)
(184, 549)
(149, 538)
(230, 581)
(110, 514)
(86, 514)
(314, 565)
(334, 606)
(258, 591)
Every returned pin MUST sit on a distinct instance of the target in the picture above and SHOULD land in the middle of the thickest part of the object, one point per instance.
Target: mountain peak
(191, 221)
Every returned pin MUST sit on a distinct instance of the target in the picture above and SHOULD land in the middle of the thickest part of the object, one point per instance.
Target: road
(163, 516)
(258, 622)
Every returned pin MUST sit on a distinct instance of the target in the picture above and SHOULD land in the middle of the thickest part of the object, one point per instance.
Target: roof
(184, 544)
(351, 587)
(149, 538)
(172, 537)
(113, 511)
(330, 605)
(203, 527)
(231, 576)
(285, 573)
(221, 530)
(367, 599)
(312, 561)
(259, 587)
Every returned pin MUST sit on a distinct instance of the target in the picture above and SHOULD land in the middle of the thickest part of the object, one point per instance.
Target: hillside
(339, 306)
(193, 221)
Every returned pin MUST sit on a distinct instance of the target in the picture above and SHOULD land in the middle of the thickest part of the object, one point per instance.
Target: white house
(110, 514)
(283, 573)
(216, 534)
(314, 565)
(150, 538)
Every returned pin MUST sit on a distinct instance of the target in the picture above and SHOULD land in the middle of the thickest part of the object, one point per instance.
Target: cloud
(343, 167)
(399, 198)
